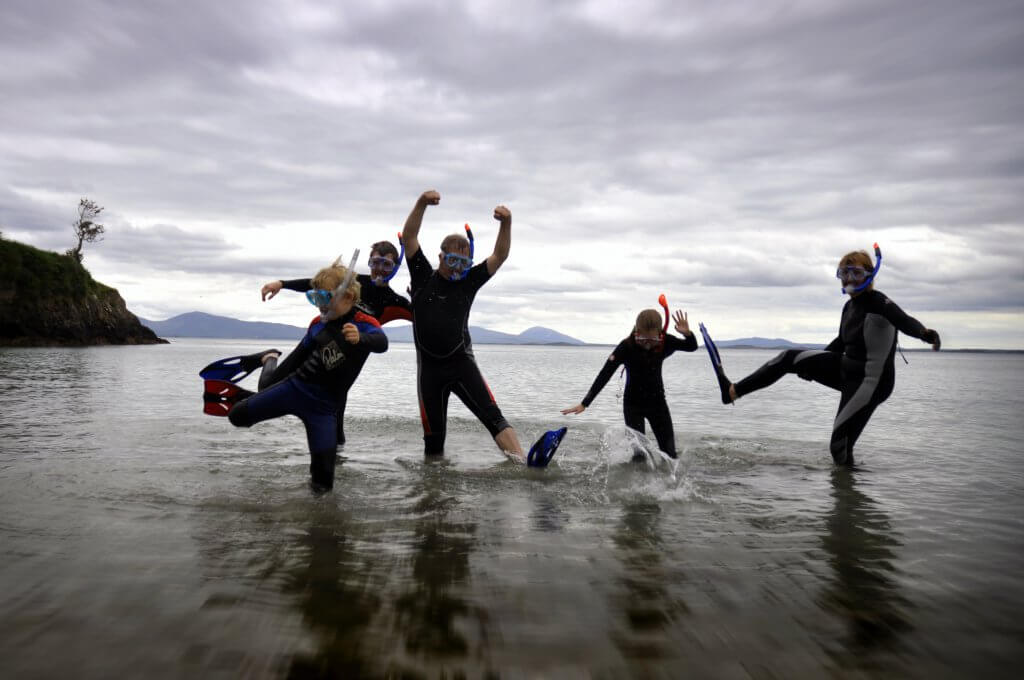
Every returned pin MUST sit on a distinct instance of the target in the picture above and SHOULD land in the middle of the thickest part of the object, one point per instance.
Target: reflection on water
(864, 590)
(337, 594)
(646, 604)
(433, 618)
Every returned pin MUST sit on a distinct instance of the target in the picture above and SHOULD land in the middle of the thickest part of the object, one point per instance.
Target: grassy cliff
(49, 299)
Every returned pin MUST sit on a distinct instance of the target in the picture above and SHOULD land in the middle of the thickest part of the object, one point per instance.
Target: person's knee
(239, 414)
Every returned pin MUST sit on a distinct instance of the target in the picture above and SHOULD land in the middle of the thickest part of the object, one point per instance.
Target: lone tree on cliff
(86, 227)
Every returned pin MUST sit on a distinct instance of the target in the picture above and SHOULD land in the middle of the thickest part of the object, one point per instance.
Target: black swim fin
(234, 369)
(220, 395)
(544, 449)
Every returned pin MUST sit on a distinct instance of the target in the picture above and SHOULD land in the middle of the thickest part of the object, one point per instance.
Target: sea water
(139, 537)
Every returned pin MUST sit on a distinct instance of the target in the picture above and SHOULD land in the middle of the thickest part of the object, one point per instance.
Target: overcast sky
(725, 154)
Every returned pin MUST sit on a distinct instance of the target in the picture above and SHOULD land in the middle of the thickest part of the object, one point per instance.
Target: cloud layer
(724, 155)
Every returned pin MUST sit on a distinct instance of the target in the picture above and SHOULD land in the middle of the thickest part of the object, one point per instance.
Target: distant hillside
(202, 325)
(766, 343)
(51, 299)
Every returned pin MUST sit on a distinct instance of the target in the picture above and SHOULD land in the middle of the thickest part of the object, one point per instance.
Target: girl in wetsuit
(643, 353)
(312, 381)
(859, 363)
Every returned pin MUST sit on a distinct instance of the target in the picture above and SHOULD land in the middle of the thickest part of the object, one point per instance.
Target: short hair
(384, 248)
(648, 320)
(454, 242)
(329, 278)
(857, 258)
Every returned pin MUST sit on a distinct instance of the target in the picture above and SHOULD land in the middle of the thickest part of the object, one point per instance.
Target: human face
(340, 305)
(381, 267)
(853, 274)
(452, 264)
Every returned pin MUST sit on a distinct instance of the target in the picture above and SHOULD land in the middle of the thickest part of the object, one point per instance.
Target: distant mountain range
(202, 325)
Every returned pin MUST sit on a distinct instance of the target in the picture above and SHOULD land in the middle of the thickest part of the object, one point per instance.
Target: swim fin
(544, 449)
(220, 395)
(234, 369)
(716, 363)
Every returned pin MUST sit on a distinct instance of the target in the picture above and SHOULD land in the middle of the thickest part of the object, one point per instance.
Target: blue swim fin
(234, 369)
(716, 363)
(544, 449)
(709, 344)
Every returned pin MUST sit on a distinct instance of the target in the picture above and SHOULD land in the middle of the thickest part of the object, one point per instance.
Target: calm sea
(141, 538)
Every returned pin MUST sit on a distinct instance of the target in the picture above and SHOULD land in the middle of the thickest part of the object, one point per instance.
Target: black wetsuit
(859, 363)
(310, 383)
(444, 350)
(380, 302)
(644, 396)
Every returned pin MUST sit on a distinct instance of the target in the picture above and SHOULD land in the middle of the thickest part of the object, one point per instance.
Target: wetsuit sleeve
(478, 276)
(615, 360)
(395, 307)
(374, 340)
(902, 321)
(419, 269)
(298, 285)
(293, 360)
(687, 343)
(836, 345)
(370, 334)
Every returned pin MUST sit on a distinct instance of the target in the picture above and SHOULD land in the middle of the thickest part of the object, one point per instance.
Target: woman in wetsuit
(643, 354)
(859, 363)
(316, 376)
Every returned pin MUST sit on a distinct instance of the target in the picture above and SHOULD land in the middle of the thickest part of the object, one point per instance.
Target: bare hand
(935, 340)
(430, 197)
(351, 333)
(271, 289)
(502, 214)
(578, 408)
(682, 323)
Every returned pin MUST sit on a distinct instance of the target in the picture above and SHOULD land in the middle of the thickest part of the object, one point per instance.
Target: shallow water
(141, 537)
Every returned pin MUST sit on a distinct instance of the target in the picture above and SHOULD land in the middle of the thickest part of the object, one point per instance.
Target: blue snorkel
(399, 263)
(850, 290)
(472, 249)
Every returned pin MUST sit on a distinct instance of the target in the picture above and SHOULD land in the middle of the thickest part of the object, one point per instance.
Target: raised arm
(271, 289)
(411, 230)
(504, 241)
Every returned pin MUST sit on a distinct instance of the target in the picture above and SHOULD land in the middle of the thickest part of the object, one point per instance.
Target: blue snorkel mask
(855, 273)
(454, 260)
(395, 266)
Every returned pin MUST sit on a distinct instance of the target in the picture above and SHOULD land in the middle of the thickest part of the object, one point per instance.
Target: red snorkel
(664, 304)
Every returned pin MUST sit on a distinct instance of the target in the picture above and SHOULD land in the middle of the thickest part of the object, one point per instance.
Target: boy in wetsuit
(859, 363)
(643, 354)
(441, 301)
(378, 299)
(317, 375)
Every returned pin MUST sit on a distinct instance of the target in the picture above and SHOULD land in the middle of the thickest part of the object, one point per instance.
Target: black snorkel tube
(398, 264)
(867, 282)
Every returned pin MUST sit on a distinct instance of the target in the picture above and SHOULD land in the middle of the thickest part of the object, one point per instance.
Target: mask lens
(456, 261)
(646, 340)
(383, 264)
(856, 274)
(319, 298)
